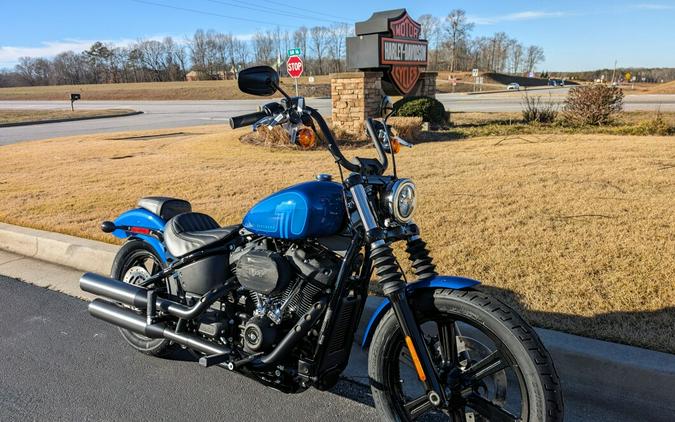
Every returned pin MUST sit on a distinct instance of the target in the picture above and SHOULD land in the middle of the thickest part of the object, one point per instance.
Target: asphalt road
(59, 363)
(174, 114)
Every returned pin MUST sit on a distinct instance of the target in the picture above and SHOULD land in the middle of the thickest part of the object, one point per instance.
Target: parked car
(552, 82)
(513, 87)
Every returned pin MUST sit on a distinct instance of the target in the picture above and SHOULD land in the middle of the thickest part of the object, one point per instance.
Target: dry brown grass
(20, 115)
(576, 231)
(406, 127)
(197, 90)
(664, 88)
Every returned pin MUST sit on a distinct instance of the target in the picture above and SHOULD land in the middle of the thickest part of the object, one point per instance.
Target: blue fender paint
(139, 217)
(438, 282)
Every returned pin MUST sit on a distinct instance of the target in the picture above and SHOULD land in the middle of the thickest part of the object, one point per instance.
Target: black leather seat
(164, 206)
(191, 231)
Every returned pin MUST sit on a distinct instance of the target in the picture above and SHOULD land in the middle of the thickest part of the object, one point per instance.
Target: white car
(513, 87)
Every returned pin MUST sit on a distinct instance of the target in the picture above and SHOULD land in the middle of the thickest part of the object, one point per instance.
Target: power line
(185, 9)
(271, 11)
(342, 18)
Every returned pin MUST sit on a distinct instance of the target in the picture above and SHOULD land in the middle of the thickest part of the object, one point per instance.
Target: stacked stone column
(355, 97)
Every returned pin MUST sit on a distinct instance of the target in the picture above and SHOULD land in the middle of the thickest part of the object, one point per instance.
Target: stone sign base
(426, 85)
(355, 97)
(358, 95)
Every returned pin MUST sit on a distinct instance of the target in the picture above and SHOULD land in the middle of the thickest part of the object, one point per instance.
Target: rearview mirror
(258, 80)
(386, 106)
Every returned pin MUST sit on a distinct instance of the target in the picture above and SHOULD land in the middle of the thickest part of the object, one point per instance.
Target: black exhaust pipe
(137, 297)
(128, 319)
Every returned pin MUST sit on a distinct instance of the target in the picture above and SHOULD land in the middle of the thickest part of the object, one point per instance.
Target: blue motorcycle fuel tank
(309, 209)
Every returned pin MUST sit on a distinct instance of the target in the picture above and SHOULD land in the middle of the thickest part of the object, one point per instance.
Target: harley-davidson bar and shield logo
(404, 52)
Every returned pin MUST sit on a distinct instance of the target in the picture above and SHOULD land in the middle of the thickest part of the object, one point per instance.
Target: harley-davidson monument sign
(388, 56)
(390, 42)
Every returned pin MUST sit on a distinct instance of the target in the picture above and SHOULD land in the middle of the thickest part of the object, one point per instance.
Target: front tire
(517, 378)
(135, 262)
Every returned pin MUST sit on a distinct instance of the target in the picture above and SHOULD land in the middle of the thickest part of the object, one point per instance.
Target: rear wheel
(135, 262)
(492, 365)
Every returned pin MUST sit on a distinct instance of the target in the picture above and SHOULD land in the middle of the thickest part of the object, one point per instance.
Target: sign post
(294, 67)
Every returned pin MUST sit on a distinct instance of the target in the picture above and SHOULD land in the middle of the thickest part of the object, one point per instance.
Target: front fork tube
(389, 277)
(418, 348)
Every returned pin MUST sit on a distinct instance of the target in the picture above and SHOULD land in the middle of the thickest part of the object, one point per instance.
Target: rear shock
(422, 263)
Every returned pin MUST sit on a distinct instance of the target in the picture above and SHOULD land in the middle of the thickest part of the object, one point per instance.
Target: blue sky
(576, 35)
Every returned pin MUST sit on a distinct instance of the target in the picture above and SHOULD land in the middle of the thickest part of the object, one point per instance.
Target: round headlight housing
(401, 200)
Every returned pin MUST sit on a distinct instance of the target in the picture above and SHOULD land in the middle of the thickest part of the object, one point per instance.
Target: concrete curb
(605, 372)
(61, 249)
(41, 122)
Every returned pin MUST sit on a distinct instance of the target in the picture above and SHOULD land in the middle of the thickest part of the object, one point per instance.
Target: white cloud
(653, 6)
(517, 16)
(9, 55)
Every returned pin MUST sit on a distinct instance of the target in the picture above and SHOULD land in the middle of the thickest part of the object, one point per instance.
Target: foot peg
(211, 360)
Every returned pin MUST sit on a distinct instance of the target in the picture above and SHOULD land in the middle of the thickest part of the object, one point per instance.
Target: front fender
(440, 281)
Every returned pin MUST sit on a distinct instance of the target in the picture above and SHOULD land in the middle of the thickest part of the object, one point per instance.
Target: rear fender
(440, 281)
(144, 219)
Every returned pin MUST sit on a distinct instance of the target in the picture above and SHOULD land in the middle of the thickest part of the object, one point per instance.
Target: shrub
(407, 128)
(536, 110)
(429, 109)
(656, 126)
(592, 104)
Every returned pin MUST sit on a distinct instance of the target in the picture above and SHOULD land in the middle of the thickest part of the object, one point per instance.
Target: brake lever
(403, 142)
(279, 118)
(262, 122)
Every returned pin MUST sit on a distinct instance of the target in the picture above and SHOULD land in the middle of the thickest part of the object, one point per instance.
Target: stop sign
(294, 66)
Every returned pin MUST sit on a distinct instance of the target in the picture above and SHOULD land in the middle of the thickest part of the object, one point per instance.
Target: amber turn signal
(395, 145)
(306, 138)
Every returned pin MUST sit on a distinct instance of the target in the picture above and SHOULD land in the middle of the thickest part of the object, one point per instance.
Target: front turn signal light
(395, 145)
(306, 138)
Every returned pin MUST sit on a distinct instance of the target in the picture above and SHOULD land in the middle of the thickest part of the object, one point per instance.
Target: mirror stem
(278, 88)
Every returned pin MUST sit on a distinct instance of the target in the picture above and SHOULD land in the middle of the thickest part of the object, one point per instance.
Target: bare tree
(516, 56)
(300, 39)
(319, 41)
(337, 35)
(34, 71)
(198, 50)
(263, 46)
(431, 31)
(458, 30)
(181, 57)
(153, 58)
(241, 52)
(533, 56)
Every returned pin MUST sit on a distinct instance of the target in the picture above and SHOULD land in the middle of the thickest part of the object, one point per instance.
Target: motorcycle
(279, 297)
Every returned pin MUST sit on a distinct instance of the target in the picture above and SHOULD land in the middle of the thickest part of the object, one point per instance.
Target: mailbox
(73, 97)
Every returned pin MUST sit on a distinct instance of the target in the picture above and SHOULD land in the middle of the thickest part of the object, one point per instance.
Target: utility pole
(613, 72)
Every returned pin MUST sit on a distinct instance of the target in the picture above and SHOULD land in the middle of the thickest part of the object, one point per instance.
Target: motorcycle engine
(283, 280)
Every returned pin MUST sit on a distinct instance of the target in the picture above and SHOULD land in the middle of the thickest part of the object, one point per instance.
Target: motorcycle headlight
(401, 200)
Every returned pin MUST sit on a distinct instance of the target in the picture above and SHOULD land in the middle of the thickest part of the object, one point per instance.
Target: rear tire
(131, 260)
(539, 397)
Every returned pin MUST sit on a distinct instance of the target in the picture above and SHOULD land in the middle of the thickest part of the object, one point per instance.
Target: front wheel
(491, 363)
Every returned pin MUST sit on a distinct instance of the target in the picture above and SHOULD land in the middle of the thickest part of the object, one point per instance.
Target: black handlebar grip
(246, 119)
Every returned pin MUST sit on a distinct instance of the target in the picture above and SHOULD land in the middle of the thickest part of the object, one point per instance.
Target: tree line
(214, 55)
